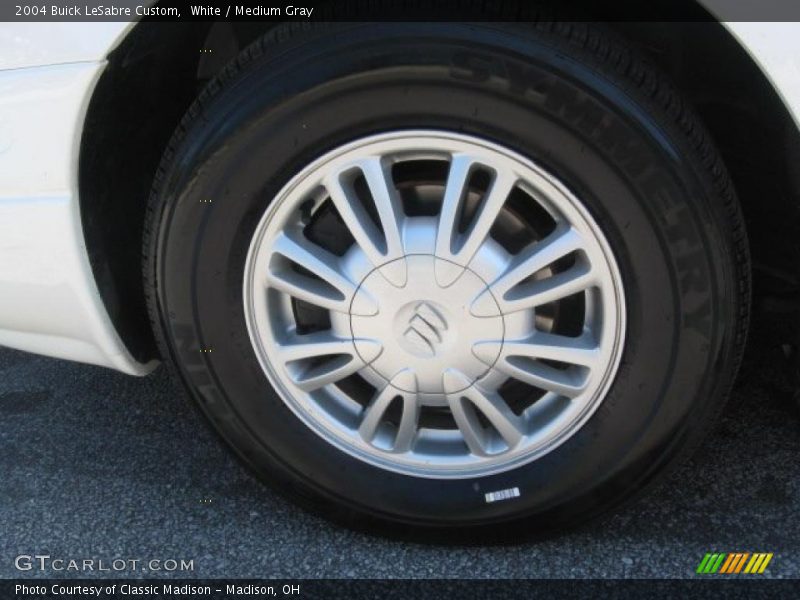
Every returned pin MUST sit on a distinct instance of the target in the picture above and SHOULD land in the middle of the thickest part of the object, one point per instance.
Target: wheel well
(153, 76)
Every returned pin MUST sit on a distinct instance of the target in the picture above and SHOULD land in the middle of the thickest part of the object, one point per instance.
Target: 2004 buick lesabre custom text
(438, 278)
(40, 9)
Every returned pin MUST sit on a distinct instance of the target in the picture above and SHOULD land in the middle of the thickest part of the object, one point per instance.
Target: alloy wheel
(434, 304)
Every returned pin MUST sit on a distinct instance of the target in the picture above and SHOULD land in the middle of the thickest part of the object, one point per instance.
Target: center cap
(424, 328)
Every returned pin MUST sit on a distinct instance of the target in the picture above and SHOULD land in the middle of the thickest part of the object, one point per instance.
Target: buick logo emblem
(425, 329)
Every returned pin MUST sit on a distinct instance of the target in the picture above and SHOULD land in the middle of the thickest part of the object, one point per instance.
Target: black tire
(573, 99)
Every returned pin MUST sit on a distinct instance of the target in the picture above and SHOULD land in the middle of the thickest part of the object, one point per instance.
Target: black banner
(394, 10)
(356, 589)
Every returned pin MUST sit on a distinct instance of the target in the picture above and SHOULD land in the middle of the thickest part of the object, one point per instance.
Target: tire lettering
(191, 357)
(467, 66)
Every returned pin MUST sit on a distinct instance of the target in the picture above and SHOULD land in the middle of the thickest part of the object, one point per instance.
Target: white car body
(49, 300)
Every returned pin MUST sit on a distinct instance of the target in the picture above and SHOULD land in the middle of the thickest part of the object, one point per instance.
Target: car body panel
(49, 300)
(35, 44)
(775, 48)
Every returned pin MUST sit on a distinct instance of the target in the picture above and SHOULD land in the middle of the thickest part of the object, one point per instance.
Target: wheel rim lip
(485, 465)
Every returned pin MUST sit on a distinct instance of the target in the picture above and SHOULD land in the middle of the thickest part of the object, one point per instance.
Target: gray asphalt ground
(97, 464)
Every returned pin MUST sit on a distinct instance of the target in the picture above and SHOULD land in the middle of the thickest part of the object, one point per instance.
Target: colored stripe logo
(734, 562)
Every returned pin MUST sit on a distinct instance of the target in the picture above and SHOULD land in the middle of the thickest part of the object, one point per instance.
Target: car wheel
(471, 279)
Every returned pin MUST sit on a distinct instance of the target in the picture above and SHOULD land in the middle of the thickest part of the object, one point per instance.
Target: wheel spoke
(318, 359)
(329, 288)
(465, 404)
(314, 345)
(381, 245)
(502, 184)
(407, 430)
(512, 295)
(460, 249)
(375, 412)
(580, 351)
(454, 192)
(556, 287)
(521, 359)
(542, 376)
